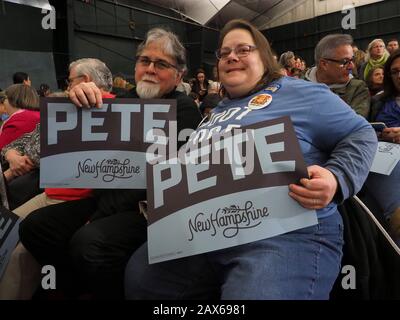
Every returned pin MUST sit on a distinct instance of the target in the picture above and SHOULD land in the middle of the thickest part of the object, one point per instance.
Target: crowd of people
(96, 239)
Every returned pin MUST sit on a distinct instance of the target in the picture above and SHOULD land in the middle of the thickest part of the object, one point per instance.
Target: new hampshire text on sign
(102, 148)
(218, 196)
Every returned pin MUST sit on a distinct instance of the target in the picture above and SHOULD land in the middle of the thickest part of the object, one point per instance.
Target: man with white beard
(97, 252)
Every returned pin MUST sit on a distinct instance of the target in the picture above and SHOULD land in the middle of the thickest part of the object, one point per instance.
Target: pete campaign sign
(227, 190)
(102, 147)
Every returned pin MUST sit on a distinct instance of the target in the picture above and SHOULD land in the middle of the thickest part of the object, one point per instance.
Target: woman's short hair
(22, 96)
(285, 58)
(97, 70)
(170, 44)
(271, 67)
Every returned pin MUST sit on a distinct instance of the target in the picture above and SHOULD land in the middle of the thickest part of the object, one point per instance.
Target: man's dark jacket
(110, 201)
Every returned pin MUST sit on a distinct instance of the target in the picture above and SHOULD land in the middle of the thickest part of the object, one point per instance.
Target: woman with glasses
(338, 147)
(390, 112)
(385, 188)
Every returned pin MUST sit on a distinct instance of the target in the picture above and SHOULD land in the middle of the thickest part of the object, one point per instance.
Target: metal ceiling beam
(204, 11)
(115, 2)
(279, 10)
(41, 4)
(266, 10)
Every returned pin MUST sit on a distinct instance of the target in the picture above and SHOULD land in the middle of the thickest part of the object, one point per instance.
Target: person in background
(390, 111)
(22, 106)
(385, 188)
(392, 45)
(200, 84)
(21, 276)
(3, 112)
(214, 87)
(21, 78)
(376, 57)
(375, 81)
(183, 86)
(302, 264)
(195, 98)
(287, 61)
(215, 74)
(359, 60)
(119, 85)
(209, 103)
(214, 84)
(334, 62)
(44, 90)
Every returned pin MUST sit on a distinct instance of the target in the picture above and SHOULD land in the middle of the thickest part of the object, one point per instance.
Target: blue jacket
(330, 133)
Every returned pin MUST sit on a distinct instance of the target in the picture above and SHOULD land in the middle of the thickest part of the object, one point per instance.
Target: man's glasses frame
(158, 64)
(342, 63)
(70, 80)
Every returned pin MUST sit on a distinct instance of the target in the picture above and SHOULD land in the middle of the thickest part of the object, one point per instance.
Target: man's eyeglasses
(70, 80)
(241, 51)
(395, 73)
(342, 63)
(158, 64)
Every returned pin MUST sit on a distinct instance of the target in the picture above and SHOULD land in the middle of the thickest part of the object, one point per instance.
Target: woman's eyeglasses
(395, 73)
(240, 51)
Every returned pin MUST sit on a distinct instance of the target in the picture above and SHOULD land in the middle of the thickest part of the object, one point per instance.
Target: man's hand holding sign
(102, 148)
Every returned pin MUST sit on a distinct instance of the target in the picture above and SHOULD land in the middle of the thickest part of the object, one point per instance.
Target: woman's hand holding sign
(316, 192)
(391, 134)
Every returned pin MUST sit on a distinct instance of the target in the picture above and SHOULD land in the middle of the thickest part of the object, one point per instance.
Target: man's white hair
(97, 70)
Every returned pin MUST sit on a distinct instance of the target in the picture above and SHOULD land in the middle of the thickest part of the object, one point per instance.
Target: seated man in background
(23, 155)
(334, 62)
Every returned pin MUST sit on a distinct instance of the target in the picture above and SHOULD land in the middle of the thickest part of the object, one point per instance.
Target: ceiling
(216, 13)
(41, 4)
